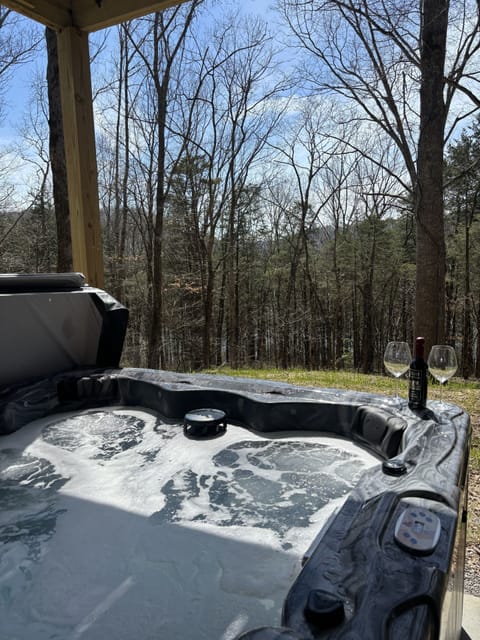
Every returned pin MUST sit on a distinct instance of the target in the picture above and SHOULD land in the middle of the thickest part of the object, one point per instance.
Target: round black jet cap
(324, 610)
(204, 423)
(394, 467)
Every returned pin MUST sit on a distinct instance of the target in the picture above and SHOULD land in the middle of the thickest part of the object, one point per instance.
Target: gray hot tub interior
(359, 579)
(151, 533)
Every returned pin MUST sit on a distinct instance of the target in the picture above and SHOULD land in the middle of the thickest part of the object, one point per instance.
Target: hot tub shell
(358, 580)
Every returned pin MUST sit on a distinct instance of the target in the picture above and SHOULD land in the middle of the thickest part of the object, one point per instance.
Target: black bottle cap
(394, 467)
(419, 347)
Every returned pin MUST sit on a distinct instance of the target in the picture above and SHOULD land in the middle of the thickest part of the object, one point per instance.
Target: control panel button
(417, 530)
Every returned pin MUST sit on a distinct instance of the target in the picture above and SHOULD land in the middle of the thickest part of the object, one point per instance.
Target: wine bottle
(417, 387)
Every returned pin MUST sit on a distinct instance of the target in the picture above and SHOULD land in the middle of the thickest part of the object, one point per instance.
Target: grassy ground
(458, 391)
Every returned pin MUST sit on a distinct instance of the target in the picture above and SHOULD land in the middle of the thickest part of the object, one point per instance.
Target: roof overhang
(87, 15)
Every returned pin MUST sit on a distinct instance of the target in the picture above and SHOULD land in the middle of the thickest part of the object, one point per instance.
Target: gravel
(472, 570)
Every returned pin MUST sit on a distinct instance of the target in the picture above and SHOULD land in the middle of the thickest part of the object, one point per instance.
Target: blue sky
(19, 90)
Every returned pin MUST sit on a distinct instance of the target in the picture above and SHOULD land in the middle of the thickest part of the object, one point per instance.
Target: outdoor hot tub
(141, 504)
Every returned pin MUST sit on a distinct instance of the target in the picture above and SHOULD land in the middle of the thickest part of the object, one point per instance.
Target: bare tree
(245, 118)
(160, 47)
(394, 61)
(18, 43)
(225, 123)
(304, 151)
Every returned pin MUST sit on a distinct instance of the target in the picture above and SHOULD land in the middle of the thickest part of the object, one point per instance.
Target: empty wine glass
(397, 358)
(442, 364)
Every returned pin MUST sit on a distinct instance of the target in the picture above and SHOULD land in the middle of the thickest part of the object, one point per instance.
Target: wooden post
(80, 153)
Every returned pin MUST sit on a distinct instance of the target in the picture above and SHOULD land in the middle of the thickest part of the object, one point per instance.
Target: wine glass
(442, 364)
(397, 358)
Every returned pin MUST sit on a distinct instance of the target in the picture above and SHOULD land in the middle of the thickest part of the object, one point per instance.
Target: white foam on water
(114, 525)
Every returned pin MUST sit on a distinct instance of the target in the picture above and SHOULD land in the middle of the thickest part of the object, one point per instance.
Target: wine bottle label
(416, 394)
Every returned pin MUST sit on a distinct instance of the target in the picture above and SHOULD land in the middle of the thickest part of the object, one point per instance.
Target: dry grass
(460, 392)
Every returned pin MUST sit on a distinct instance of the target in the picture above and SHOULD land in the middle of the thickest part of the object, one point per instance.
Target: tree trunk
(57, 156)
(118, 267)
(219, 350)
(467, 355)
(367, 328)
(208, 310)
(477, 354)
(430, 251)
(231, 303)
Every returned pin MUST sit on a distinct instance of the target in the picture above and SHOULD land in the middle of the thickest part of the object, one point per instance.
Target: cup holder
(200, 424)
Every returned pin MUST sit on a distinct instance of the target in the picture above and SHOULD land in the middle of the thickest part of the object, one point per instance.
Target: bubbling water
(113, 524)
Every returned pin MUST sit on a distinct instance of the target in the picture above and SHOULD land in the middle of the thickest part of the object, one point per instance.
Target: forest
(259, 180)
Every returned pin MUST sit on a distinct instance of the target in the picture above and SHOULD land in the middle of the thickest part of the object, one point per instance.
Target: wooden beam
(92, 15)
(88, 15)
(76, 92)
(52, 13)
